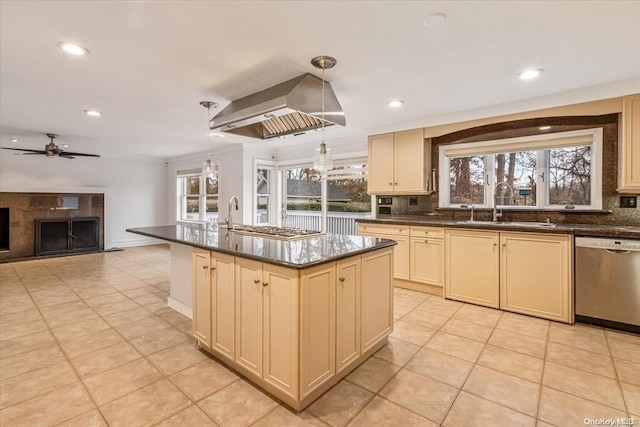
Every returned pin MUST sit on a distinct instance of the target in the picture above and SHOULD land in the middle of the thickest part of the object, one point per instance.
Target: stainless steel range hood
(292, 107)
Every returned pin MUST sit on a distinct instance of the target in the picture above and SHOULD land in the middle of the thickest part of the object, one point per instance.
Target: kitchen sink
(510, 224)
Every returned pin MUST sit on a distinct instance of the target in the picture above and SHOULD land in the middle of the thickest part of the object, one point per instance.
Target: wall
(135, 190)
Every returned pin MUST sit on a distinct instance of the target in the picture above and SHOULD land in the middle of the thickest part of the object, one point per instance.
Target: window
(197, 196)
(265, 193)
(554, 171)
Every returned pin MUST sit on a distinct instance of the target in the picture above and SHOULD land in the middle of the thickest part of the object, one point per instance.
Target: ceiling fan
(51, 150)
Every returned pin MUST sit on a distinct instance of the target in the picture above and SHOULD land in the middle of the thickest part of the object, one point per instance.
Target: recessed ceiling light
(395, 104)
(281, 137)
(73, 49)
(13, 140)
(65, 145)
(544, 127)
(92, 113)
(216, 135)
(435, 19)
(530, 74)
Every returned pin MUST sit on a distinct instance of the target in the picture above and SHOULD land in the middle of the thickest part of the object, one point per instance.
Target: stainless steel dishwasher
(607, 283)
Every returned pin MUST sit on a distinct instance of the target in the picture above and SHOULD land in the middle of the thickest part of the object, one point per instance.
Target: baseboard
(180, 307)
(142, 241)
(420, 287)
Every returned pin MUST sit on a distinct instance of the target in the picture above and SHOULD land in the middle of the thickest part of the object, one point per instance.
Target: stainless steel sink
(510, 224)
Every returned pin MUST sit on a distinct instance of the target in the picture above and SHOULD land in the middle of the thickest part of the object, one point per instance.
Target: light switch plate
(628, 201)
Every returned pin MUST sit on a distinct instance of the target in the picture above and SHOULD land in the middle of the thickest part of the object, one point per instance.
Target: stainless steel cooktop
(275, 232)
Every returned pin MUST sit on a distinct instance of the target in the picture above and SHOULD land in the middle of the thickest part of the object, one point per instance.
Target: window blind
(506, 146)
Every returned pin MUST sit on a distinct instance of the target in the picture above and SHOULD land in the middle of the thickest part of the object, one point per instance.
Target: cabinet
(629, 146)
(348, 296)
(400, 234)
(377, 297)
(472, 267)
(426, 264)
(399, 163)
(202, 297)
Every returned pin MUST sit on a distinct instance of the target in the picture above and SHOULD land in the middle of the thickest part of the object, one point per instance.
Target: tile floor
(89, 341)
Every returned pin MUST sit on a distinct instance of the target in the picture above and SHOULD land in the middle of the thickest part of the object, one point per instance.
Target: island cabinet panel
(202, 297)
(348, 295)
(223, 304)
(472, 267)
(377, 297)
(399, 233)
(317, 323)
(249, 315)
(535, 275)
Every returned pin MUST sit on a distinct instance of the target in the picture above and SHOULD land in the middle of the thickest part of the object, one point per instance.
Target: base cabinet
(202, 296)
(401, 252)
(377, 298)
(348, 312)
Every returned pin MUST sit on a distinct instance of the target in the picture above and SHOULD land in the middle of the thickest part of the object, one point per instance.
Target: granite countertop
(623, 232)
(299, 253)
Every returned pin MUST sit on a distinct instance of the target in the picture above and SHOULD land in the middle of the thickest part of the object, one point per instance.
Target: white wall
(135, 190)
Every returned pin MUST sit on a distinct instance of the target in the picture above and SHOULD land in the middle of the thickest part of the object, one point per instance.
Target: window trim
(202, 194)
(539, 143)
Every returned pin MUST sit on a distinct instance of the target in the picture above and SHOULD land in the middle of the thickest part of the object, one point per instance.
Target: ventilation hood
(292, 107)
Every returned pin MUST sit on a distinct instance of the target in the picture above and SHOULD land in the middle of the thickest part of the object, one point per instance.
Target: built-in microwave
(384, 205)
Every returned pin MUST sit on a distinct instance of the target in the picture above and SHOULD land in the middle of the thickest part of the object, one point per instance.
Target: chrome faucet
(229, 218)
(497, 214)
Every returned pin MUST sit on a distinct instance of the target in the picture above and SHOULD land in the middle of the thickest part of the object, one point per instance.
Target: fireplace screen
(67, 236)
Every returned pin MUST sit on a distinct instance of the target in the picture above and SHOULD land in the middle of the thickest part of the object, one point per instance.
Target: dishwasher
(607, 282)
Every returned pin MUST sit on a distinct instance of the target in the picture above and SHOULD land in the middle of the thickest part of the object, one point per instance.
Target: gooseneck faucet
(497, 214)
(229, 218)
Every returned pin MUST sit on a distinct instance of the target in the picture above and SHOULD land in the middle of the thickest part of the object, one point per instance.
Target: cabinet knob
(504, 245)
(204, 267)
(341, 279)
(256, 281)
(391, 183)
(213, 268)
(495, 244)
(265, 284)
(395, 183)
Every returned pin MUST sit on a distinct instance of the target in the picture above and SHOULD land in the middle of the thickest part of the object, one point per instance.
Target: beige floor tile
(340, 404)
(92, 418)
(425, 318)
(455, 346)
(153, 342)
(73, 317)
(628, 372)
(78, 346)
(400, 310)
(184, 326)
(409, 300)
(21, 317)
(17, 330)
(583, 337)
(79, 328)
(424, 396)
(440, 306)
(48, 409)
(468, 330)
(583, 384)
(146, 406)
(282, 417)
(511, 362)
(504, 389)
(524, 325)
(191, 416)
(25, 343)
(238, 404)
(116, 307)
(543, 424)
(631, 395)
(34, 383)
(203, 379)
(589, 361)
(102, 360)
(397, 351)
(173, 317)
(94, 291)
(479, 315)
(177, 358)
(411, 332)
(30, 361)
(381, 412)
(114, 383)
(562, 409)
(141, 327)
(105, 299)
(519, 343)
(127, 317)
(471, 411)
(441, 367)
(624, 349)
(622, 336)
(53, 312)
(16, 304)
(373, 374)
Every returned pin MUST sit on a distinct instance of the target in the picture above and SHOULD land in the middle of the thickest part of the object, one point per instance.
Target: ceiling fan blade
(66, 156)
(69, 153)
(25, 149)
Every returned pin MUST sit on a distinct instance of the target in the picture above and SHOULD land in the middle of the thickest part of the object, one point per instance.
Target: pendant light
(207, 167)
(322, 159)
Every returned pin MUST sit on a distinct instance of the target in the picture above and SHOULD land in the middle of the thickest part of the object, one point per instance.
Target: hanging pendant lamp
(322, 160)
(207, 167)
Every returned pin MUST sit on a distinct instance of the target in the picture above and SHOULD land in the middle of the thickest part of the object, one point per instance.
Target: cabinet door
(472, 267)
(409, 162)
(202, 297)
(629, 149)
(347, 312)
(536, 275)
(249, 315)
(223, 305)
(427, 261)
(377, 297)
(401, 257)
(380, 164)
(281, 328)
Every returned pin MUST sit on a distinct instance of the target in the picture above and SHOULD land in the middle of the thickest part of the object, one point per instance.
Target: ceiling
(152, 62)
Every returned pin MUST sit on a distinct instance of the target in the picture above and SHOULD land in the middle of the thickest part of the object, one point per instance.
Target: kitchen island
(294, 316)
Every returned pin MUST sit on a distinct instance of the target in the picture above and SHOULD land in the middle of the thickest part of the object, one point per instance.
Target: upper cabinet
(399, 163)
(629, 146)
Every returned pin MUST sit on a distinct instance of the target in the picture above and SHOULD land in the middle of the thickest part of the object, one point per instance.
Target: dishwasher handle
(617, 251)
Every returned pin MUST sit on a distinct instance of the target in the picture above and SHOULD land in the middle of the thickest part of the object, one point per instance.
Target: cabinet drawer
(431, 232)
(398, 230)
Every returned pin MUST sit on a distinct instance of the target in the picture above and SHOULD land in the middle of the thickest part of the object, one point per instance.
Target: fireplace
(4, 229)
(73, 235)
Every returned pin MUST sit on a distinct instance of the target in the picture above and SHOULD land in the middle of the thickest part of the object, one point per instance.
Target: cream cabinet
(535, 275)
(426, 264)
(472, 267)
(629, 146)
(399, 233)
(202, 296)
(377, 297)
(223, 304)
(348, 297)
(399, 163)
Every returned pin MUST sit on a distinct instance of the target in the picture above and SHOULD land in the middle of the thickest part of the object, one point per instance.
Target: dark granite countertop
(299, 253)
(623, 232)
